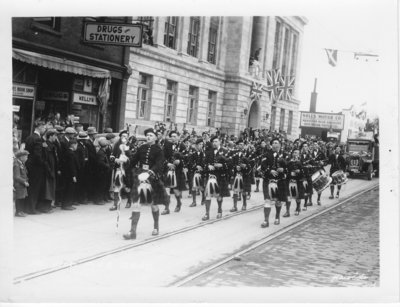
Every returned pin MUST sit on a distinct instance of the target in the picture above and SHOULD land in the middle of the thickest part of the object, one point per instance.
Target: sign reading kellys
(322, 120)
(113, 34)
(84, 98)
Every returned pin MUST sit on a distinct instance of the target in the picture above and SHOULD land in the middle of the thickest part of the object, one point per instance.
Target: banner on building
(23, 91)
(322, 120)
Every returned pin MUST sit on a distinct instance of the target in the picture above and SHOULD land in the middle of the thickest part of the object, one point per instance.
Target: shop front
(56, 90)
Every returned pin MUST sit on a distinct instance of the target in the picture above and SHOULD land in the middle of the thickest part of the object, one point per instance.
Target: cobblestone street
(337, 249)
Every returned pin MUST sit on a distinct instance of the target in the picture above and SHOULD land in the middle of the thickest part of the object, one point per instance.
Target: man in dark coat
(70, 175)
(69, 134)
(337, 162)
(35, 167)
(83, 157)
(174, 153)
(51, 165)
(91, 164)
(20, 183)
(274, 169)
(196, 165)
(150, 158)
(217, 167)
(103, 173)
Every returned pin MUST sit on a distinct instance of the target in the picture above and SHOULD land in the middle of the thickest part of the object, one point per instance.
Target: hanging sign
(23, 91)
(16, 108)
(87, 85)
(55, 95)
(85, 99)
(114, 34)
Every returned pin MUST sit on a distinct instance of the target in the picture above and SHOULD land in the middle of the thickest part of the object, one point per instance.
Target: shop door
(88, 115)
(23, 117)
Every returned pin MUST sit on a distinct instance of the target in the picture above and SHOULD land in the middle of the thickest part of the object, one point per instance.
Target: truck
(362, 155)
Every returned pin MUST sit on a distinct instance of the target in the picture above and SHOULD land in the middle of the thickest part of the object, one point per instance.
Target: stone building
(224, 72)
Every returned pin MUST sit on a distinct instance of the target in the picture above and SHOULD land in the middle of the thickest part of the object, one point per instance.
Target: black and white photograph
(200, 152)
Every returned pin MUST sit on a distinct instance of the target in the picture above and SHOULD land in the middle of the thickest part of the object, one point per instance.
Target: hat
(275, 139)
(103, 142)
(149, 130)
(83, 135)
(51, 131)
(59, 128)
(91, 130)
(199, 140)
(122, 132)
(70, 130)
(213, 138)
(173, 131)
(110, 136)
(21, 153)
(108, 130)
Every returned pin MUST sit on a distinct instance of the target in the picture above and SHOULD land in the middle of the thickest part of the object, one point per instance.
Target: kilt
(180, 180)
(309, 190)
(300, 189)
(191, 187)
(223, 185)
(283, 189)
(160, 195)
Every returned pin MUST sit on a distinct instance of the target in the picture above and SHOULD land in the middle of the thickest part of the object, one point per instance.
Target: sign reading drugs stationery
(322, 120)
(113, 34)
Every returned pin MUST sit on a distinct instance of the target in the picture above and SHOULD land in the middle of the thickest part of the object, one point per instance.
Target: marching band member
(337, 162)
(217, 167)
(174, 162)
(319, 159)
(147, 187)
(196, 171)
(295, 182)
(120, 156)
(260, 152)
(273, 167)
(242, 180)
(306, 161)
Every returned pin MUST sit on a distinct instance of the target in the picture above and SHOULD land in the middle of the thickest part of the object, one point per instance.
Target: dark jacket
(20, 177)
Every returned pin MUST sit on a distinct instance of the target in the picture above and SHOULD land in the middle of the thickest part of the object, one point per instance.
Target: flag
(104, 94)
(286, 88)
(332, 56)
(273, 83)
(256, 91)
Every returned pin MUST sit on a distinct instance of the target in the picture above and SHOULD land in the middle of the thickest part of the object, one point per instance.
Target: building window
(282, 120)
(277, 46)
(144, 97)
(193, 39)
(290, 122)
(293, 61)
(212, 40)
(212, 104)
(170, 32)
(148, 25)
(193, 105)
(50, 22)
(273, 118)
(170, 101)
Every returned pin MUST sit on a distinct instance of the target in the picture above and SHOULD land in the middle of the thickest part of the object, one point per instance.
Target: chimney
(313, 101)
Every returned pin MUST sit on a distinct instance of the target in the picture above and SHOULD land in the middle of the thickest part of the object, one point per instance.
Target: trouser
(20, 205)
(69, 193)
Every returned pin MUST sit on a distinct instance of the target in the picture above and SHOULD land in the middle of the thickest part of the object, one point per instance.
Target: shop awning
(60, 64)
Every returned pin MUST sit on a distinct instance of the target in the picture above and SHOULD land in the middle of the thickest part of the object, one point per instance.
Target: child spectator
(20, 181)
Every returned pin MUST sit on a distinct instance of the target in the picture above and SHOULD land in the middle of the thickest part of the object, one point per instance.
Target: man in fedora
(83, 157)
(91, 163)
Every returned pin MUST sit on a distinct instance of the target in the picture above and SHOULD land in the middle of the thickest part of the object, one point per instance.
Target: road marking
(270, 237)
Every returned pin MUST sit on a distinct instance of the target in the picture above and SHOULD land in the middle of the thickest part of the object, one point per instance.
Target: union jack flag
(273, 84)
(286, 87)
(256, 91)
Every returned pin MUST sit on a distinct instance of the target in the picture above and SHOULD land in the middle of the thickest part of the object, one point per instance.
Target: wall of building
(229, 77)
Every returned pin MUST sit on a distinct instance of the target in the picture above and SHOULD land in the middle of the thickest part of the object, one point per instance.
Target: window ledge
(42, 28)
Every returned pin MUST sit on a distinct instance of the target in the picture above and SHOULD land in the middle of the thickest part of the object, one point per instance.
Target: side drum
(339, 177)
(320, 180)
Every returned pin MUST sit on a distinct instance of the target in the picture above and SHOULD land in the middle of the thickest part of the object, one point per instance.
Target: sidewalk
(64, 237)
